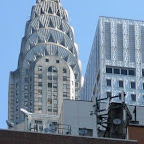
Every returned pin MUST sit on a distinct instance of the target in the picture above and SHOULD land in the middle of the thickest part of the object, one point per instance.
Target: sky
(83, 17)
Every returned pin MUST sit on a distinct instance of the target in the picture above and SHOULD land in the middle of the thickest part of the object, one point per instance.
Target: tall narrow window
(133, 97)
(132, 43)
(120, 42)
(108, 40)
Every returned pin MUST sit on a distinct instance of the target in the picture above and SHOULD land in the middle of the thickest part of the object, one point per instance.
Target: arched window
(52, 69)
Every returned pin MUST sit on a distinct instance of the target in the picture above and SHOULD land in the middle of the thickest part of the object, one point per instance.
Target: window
(55, 77)
(108, 82)
(17, 108)
(26, 95)
(47, 60)
(55, 85)
(16, 85)
(76, 84)
(54, 93)
(85, 132)
(55, 110)
(16, 92)
(64, 70)
(120, 96)
(57, 61)
(17, 100)
(131, 72)
(52, 69)
(49, 101)
(64, 78)
(121, 84)
(65, 94)
(143, 85)
(26, 80)
(108, 70)
(49, 109)
(39, 76)
(116, 71)
(49, 77)
(64, 87)
(133, 85)
(109, 94)
(40, 84)
(142, 72)
(25, 103)
(123, 71)
(133, 97)
(50, 85)
(40, 108)
(17, 117)
(40, 68)
(30, 94)
(25, 87)
(40, 100)
(39, 92)
(31, 102)
(30, 78)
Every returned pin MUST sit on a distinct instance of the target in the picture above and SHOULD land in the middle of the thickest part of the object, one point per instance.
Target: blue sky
(83, 16)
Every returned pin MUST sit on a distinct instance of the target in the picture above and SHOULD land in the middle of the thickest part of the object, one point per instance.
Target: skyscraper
(116, 62)
(48, 68)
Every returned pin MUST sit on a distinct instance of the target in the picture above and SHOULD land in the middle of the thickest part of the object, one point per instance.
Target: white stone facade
(49, 70)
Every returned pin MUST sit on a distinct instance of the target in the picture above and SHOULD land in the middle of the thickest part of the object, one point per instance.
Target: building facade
(48, 70)
(116, 61)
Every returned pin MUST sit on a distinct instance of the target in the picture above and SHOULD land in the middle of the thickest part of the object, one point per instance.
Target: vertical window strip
(132, 43)
(108, 40)
(142, 43)
(120, 42)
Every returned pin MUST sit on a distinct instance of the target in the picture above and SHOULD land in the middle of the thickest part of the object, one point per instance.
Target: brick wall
(13, 137)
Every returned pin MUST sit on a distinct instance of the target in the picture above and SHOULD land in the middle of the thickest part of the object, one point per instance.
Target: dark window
(123, 71)
(39, 108)
(40, 68)
(55, 77)
(108, 82)
(133, 85)
(64, 78)
(50, 85)
(52, 69)
(116, 71)
(120, 96)
(39, 92)
(108, 70)
(64, 70)
(65, 94)
(142, 72)
(17, 100)
(47, 60)
(131, 72)
(39, 76)
(49, 109)
(143, 85)
(49, 101)
(121, 84)
(108, 94)
(40, 84)
(50, 77)
(57, 61)
(133, 97)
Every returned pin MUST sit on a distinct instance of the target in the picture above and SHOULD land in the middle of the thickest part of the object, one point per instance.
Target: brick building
(14, 137)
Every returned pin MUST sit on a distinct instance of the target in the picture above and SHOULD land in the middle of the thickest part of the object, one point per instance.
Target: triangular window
(51, 24)
(63, 42)
(58, 13)
(68, 34)
(50, 10)
(51, 39)
(42, 11)
(40, 25)
(61, 27)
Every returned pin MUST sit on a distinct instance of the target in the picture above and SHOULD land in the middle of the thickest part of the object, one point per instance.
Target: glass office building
(116, 61)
